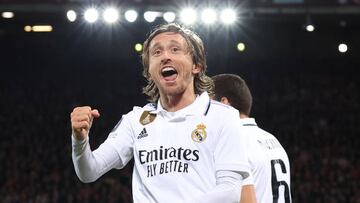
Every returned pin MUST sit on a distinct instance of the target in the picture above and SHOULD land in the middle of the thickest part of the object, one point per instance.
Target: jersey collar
(248, 122)
(199, 107)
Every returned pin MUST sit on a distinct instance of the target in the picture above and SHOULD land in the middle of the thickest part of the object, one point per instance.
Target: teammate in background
(269, 162)
(186, 147)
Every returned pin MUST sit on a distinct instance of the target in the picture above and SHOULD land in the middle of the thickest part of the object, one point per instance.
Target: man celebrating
(186, 147)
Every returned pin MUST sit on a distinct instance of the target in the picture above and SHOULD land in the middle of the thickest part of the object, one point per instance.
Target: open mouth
(169, 73)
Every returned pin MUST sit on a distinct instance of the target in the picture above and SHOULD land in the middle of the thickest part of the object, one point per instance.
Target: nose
(165, 57)
(165, 60)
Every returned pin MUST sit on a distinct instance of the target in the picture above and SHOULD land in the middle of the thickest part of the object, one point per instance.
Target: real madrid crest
(146, 117)
(199, 134)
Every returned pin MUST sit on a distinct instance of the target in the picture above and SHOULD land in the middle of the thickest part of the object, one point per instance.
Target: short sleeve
(231, 149)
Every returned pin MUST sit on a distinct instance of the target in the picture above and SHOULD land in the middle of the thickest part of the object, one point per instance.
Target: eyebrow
(157, 44)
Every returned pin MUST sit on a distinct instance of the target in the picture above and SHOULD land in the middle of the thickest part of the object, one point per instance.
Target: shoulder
(137, 111)
(147, 107)
(133, 117)
(224, 116)
(219, 108)
(219, 104)
(267, 134)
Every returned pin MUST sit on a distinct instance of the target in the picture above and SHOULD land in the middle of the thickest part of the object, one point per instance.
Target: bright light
(169, 16)
(91, 15)
(71, 15)
(208, 16)
(27, 28)
(138, 47)
(310, 28)
(131, 15)
(228, 16)
(343, 48)
(38, 28)
(7, 14)
(188, 16)
(42, 28)
(150, 16)
(111, 15)
(241, 47)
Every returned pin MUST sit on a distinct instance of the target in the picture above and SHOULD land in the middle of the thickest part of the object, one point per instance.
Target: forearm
(248, 194)
(84, 161)
(89, 165)
(227, 189)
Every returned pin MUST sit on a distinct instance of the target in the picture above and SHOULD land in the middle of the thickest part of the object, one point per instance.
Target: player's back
(269, 164)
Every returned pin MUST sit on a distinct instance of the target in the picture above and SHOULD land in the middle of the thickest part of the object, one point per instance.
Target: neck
(243, 116)
(174, 103)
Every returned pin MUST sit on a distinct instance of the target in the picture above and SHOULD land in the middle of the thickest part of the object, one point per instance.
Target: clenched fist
(81, 121)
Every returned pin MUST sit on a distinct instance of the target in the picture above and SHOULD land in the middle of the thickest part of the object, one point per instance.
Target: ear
(225, 100)
(195, 69)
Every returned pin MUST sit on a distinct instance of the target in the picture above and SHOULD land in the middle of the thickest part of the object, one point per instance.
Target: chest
(182, 146)
(187, 133)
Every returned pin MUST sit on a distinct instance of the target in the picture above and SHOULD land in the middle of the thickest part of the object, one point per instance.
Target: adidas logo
(142, 134)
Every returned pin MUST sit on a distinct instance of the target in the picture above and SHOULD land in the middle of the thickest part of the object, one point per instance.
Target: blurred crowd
(314, 115)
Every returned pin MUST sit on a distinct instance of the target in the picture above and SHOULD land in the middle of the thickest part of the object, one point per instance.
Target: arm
(231, 160)
(90, 165)
(248, 194)
(228, 189)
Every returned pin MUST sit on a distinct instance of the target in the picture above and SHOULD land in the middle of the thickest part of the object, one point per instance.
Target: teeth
(168, 69)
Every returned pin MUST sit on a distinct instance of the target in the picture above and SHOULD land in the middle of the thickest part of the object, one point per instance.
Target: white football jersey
(269, 164)
(176, 154)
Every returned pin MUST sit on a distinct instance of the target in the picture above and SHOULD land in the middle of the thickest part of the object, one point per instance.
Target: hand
(81, 121)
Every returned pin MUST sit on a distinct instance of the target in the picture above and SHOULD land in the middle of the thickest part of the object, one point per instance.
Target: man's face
(170, 64)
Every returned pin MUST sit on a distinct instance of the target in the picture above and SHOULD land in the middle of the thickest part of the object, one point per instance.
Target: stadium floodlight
(228, 16)
(240, 47)
(310, 28)
(91, 15)
(208, 16)
(131, 15)
(342, 48)
(7, 14)
(188, 16)
(27, 28)
(71, 15)
(150, 16)
(138, 47)
(42, 28)
(38, 28)
(111, 15)
(169, 16)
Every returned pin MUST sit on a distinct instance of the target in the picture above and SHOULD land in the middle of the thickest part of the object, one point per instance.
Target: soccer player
(269, 162)
(186, 147)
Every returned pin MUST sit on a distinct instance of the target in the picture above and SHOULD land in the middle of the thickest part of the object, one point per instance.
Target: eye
(175, 49)
(156, 52)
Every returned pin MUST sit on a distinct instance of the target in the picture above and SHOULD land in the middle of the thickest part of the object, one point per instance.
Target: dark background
(305, 92)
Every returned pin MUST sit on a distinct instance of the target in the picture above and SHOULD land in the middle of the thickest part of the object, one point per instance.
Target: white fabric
(169, 165)
(227, 189)
(264, 148)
